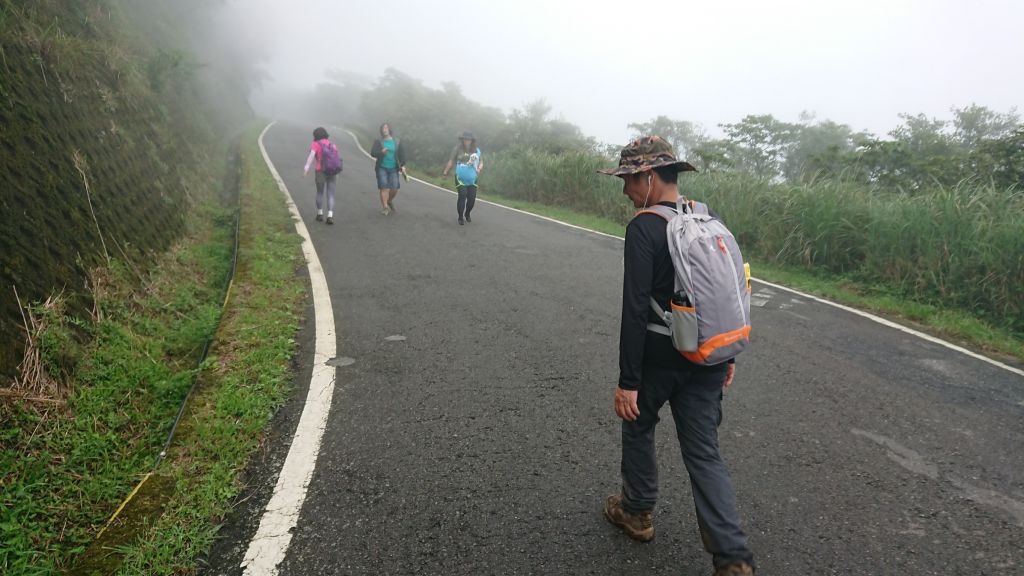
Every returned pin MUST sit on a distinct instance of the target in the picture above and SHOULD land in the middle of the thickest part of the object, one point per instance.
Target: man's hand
(730, 372)
(625, 404)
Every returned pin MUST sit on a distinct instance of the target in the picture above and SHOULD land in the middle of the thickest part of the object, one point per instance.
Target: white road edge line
(872, 317)
(901, 328)
(270, 543)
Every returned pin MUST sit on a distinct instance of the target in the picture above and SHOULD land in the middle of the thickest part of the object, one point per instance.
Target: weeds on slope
(71, 461)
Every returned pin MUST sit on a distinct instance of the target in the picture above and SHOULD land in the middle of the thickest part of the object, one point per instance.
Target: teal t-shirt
(389, 161)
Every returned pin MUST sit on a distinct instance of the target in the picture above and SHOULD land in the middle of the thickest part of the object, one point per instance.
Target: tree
(427, 120)
(685, 136)
(923, 151)
(530, 126)
(819, 148)
(1001, 160)
(715, 155)
(761, 144)
(974, 123)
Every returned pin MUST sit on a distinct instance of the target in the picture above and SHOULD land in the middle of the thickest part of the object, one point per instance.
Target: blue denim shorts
(388, 178)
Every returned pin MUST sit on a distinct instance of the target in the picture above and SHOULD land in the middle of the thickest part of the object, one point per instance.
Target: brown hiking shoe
(638, 526)
(735, 569)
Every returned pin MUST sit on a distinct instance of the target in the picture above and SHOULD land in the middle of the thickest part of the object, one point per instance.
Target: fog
(602, 65)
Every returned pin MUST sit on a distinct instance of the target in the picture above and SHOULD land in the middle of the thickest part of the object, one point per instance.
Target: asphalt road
(483, 441)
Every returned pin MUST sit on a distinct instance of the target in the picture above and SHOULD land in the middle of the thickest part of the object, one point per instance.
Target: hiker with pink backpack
(328, 166)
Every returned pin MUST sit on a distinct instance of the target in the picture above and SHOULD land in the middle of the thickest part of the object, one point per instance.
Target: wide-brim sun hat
(647, 153)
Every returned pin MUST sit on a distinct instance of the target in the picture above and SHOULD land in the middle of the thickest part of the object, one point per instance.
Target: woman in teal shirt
(390, 165)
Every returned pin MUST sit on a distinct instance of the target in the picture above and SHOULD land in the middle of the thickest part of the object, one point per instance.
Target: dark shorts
(388, 179)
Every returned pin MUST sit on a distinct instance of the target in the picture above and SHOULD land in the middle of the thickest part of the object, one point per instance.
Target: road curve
(473, 431)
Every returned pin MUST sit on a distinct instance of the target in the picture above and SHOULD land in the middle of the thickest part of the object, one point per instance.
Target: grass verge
(69, 462)
(956, 326)
(245, 379)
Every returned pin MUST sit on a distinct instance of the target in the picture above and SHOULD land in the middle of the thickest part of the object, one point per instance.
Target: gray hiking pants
(695, 397)
(325, 183)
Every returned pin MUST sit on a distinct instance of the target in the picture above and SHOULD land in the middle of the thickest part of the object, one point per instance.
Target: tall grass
(958, 247)
(568, 180)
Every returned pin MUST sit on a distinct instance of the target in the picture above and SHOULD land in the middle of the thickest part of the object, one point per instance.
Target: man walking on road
(652, 372)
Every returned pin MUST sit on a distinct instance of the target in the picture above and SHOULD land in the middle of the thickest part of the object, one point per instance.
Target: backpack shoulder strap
(663, 211)
(693, 207)
(668, 214)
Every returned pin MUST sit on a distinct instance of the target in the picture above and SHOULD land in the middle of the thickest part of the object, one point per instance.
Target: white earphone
(648, 195)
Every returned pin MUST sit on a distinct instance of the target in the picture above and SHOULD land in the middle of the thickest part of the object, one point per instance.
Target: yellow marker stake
(123, 504)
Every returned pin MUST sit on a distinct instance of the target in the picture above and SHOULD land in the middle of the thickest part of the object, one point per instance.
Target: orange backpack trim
(708, 348)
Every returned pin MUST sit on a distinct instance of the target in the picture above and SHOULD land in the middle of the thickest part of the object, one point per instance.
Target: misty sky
(603, 64)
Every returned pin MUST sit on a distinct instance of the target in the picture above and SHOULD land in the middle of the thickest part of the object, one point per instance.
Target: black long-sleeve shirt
(647, 272)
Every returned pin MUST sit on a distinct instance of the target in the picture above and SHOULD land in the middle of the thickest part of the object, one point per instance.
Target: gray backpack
(709, 315)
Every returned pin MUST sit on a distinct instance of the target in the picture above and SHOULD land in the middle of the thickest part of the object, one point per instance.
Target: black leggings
(467, 198)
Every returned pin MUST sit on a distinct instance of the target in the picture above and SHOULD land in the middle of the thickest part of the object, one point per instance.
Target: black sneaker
(319, 217)
(461, 221)
(468, 219)
(330, 219)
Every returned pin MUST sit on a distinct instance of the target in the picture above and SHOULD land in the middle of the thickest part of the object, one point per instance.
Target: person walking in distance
(468, 164)
(390, 156)
(652, 372)
(328, 166)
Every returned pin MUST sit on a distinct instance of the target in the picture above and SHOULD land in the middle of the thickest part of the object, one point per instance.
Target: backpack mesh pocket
(684, 327)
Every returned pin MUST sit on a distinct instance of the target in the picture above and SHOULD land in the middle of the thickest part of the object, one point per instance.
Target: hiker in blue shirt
(390, 165)
(468, 164)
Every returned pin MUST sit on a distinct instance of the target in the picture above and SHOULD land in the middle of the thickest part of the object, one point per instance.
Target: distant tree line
(919, 153)
(976, 143)
(429, 119)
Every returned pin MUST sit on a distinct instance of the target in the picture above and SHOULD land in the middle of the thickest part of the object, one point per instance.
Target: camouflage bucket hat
(646, 153)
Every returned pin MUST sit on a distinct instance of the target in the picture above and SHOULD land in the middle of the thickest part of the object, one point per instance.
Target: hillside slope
(105, 137)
